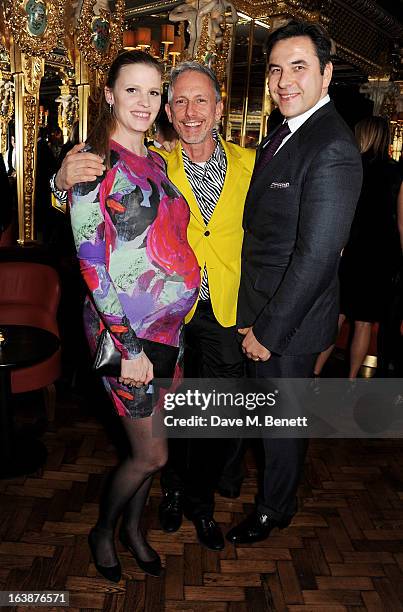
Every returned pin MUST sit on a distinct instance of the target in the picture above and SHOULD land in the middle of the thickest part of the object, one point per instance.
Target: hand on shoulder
(78, 167)
(169, 145)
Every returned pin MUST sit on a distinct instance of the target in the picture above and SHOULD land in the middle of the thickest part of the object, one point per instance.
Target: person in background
(370, 260)
(56, 141)
(142, 277)
(6, 202)
(9, 157)
(390, 333)
(164, 133)
(45, 167)
(74, 363)
(9, 191)
(400, 211)
(73, 139)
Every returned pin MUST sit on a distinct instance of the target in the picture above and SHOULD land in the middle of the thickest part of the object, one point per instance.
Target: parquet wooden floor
(343, 551)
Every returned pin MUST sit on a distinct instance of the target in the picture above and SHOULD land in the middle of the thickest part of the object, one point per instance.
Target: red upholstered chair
(30, 295)
(7, 237)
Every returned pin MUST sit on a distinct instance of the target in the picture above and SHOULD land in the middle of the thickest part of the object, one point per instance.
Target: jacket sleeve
(328, 200)
(89, 229)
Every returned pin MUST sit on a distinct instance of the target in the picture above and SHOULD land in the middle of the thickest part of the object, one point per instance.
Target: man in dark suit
(297, 218)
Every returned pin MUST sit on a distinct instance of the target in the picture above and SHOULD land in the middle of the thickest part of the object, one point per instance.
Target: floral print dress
(130, 231)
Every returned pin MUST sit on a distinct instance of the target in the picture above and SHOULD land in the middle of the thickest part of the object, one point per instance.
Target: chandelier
(168, 48)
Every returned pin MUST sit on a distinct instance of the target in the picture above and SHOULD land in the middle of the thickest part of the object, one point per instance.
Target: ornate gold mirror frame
(97, 39)
(34, 26)
(33, 29)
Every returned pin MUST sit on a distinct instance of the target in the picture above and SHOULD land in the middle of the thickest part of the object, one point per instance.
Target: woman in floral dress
(130, 229)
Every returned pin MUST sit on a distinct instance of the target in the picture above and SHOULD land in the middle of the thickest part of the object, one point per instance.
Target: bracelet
(61, 196)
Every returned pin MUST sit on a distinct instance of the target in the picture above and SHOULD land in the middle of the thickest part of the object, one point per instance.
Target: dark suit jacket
(297, 218)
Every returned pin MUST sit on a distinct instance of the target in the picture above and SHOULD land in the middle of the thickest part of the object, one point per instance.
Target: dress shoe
(255, 527)
(112, 572)
(171, 511)
(153, 568)
(208, 532)
(228, 492)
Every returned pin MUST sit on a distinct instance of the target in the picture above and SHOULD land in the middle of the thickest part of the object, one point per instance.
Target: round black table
(23, 346)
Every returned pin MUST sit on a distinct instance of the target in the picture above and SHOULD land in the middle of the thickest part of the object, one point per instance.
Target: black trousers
(284, 457)
(197, 466)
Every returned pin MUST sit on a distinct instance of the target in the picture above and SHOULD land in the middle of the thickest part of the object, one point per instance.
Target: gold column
(29, 42)
(83, 92)
(227, 110)
(6, 107)
(93, 60)
(246, 96)
(27, 72)
(266, 108)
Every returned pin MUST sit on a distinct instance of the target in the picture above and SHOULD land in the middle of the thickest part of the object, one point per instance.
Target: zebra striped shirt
(207, 180)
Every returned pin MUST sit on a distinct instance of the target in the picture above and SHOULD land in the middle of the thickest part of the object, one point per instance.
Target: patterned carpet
(343, 551)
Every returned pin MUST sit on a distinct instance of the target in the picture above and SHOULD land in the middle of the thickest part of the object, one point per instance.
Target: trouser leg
(173, 474)
(284, 457)
(212, 351)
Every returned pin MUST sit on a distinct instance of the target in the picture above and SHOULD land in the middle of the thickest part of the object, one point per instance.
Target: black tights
(127, 492)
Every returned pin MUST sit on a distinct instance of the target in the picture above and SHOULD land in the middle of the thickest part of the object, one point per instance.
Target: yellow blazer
(218, 245)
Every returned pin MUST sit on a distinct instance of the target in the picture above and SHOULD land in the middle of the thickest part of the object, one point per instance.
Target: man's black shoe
(171, 511)
(255, 527)
(229, 493)
(208, 532)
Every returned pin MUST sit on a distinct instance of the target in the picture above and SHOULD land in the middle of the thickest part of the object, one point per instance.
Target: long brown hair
(105, 124)
(373, 137)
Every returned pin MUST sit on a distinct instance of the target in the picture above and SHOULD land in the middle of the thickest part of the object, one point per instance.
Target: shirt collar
(295, 122)
(216, 154)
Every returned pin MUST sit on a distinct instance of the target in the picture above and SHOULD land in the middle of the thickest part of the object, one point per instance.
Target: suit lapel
(282, 157)
(265, 142)
(288, 152)
(235, 170)
(262, 145)
(177, 174)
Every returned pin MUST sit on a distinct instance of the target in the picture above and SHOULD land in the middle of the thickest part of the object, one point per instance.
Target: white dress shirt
(295, 122)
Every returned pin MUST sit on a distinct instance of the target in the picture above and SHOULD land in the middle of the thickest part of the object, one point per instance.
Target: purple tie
(270, 149)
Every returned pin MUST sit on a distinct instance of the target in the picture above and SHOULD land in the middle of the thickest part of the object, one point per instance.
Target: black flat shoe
(255, 528)
(152, 568)
(208, 533)
(112, 572)
(170, 511)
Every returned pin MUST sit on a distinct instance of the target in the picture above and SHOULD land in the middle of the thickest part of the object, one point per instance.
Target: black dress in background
(44, 214)
(371, 257)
